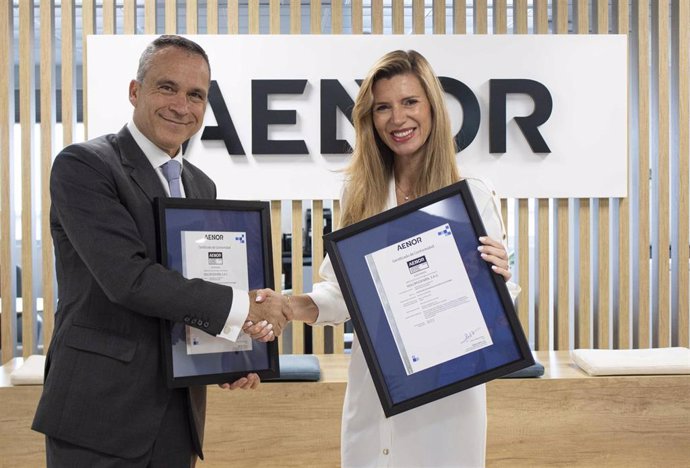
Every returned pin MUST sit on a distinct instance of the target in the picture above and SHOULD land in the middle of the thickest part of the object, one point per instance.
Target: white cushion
(31, 372)
(633, 361)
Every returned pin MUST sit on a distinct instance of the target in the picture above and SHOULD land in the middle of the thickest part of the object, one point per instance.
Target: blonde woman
(404, 149)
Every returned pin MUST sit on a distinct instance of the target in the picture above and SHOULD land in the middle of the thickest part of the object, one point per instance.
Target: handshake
(269, 313)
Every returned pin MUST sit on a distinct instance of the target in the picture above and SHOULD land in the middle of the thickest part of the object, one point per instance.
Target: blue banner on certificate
(431, 316)
(225, 242)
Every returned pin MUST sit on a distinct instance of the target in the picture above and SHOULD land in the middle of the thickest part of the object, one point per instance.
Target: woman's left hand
(493, 252)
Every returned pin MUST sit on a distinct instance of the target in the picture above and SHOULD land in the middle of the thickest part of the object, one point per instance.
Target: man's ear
(133, 92)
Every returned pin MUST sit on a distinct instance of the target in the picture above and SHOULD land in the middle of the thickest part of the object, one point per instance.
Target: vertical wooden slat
(297, 273)
(683, 172)
(541, 17)
(623, 300)
(67, 56)
(500, 17)
(150, 17)
(583, 311)
(233, 17)
(356, 16)
(398, 16)
(504, 215)
(624, 341)
(108, 17)
(6, 235)
(460, 16)
(543, 312)
(277, 250)
(47, 125)
(253, 19)
(212, 17)
(130, 17)
(27, 118)
(336, 16)
(560, 16)
(276, 205)
(88, 27)
(297, 329)
(295, 17)
(562, 334)
(274, 16)
(662, 226)
(562, 267)
(439, 7)
(318, 344)
(520, 16)
(523, 265)
(170, 16)
(377, 16)
(543, 321)
(192, 17)
(315, 17)
(643, 301)
(603, 304)
(338, 330)
(602, 16)
(523, 301)
(418, 16)
(481, 20)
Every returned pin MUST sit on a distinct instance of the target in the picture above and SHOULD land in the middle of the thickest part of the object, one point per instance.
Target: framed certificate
(431, 316)
(225, 242)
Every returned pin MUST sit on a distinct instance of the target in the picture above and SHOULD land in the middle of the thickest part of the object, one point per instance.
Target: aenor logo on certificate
(428, 300)
(219, 257)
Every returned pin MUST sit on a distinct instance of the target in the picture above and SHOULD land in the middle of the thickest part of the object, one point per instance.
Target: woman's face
(402, 114)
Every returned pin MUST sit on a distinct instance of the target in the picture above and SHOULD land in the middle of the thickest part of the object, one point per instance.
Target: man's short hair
(162, 42)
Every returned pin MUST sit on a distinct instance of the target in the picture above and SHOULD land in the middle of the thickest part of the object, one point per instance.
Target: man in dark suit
(105, 401)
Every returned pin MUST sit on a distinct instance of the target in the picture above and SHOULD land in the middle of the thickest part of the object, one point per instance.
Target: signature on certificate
(470, 334)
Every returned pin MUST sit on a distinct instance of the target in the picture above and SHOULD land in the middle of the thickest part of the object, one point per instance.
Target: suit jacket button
(206, 324)
(186, 319)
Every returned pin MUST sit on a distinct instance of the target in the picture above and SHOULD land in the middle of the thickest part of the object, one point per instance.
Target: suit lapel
(191, 189)
(141, 171)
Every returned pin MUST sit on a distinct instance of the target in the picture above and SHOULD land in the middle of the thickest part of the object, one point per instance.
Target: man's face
(170, 102)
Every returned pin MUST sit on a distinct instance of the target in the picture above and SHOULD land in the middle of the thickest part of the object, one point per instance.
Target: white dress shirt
(157, 157)
(450, 432)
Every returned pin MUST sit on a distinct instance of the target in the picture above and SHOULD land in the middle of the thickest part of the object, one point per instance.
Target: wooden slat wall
(47, 86)
(27, 119)
(523, 255)
(621, 299)
(7, 279)
(543, 321)
(643, 300)
(622, 305)
(603, 310)
(683, 57)
(663, 329)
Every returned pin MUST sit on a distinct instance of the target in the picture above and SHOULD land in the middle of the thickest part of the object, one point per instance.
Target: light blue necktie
(171, 171)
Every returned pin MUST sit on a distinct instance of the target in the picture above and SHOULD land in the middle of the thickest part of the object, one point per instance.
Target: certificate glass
(225, 242)
(431, 316)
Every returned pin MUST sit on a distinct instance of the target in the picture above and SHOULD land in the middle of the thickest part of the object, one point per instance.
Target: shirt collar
(156, 156)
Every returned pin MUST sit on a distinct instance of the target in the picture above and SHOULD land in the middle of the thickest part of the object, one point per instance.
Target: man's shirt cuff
(239, 310)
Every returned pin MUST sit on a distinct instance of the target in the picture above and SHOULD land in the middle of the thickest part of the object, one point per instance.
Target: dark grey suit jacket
(105, 386)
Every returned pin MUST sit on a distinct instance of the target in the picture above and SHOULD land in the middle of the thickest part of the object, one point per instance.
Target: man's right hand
(268, 305)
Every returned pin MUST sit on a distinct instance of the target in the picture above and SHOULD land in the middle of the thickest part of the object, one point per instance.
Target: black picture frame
(398, 390)
(175, 215)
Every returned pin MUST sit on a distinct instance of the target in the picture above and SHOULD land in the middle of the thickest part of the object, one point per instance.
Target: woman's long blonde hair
(371, 166)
